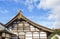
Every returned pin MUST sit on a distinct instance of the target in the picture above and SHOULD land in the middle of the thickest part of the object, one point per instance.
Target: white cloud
(31, 4)
(30, 7)
(45, 4)
(54, 5)
(28, 3)
(56, 16)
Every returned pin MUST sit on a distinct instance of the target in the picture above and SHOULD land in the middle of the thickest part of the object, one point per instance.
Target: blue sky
(43, 12)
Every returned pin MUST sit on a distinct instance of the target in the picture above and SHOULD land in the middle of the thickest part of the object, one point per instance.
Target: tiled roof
(19, 16)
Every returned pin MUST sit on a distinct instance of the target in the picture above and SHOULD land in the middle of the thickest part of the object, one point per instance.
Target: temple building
(20, 27)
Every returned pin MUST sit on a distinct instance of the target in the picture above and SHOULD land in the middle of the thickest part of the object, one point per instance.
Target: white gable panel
(1, 27)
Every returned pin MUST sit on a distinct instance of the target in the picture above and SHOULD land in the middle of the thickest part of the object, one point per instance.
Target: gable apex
(19, 14)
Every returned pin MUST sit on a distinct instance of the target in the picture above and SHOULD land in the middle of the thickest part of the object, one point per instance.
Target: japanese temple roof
(19, 16)
(3, 29)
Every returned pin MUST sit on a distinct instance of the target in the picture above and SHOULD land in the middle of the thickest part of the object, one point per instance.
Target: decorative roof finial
(19, 14)
(20, 11)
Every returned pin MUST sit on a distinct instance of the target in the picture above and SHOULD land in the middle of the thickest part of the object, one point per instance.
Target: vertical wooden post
(0, 37)
(25, 36)
(46, 36)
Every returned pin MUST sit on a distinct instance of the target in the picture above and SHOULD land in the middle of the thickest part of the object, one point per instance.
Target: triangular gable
(19, 15)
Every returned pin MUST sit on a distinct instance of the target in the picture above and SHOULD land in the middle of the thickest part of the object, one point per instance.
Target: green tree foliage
(56, 31)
